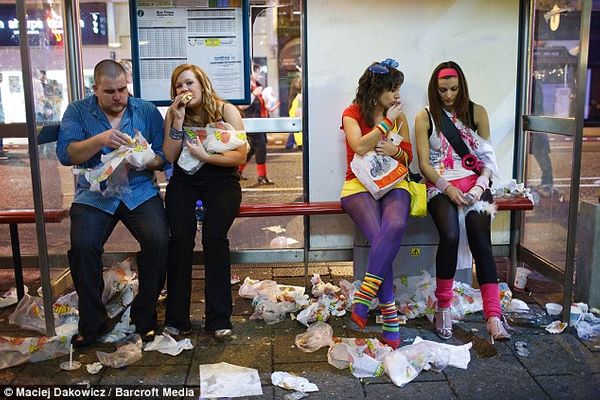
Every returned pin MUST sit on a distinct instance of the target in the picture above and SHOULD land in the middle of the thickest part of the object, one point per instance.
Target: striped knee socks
(363, 297)
(391, 324)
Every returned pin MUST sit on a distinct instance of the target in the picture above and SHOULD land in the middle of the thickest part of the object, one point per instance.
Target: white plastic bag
(404, 364)
(128, 351)
(29, 314)
(379, 174)
(217, 137)
(111, 177)
(319, 334)
(364, 356)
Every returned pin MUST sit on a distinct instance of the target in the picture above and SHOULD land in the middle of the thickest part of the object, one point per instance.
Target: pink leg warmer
(491, 300)
(443, 292)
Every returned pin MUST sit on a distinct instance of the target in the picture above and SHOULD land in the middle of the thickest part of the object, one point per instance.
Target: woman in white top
(458, 184)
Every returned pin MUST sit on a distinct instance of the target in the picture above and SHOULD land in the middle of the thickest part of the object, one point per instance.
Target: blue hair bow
(384, 66)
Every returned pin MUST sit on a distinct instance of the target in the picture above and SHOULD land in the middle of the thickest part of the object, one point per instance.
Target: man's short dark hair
(108, 68)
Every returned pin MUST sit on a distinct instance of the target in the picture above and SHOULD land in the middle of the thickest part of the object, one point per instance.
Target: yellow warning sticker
(415, 251)
(213, 42)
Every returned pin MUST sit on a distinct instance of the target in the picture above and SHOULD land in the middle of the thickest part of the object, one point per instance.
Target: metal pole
(73, 47)
(523, 80)
(305, 143)
(584, 38)
(36, 182)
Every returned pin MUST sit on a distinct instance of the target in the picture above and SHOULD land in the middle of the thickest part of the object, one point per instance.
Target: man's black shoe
(80, 341)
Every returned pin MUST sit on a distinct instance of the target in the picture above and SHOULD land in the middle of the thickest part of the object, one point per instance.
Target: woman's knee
(449, 237)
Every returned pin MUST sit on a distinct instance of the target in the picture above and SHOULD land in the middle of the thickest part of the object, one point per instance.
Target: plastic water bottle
(199, 214)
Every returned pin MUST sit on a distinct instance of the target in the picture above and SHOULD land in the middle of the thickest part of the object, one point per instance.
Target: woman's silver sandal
(497, 330)
(443, 323)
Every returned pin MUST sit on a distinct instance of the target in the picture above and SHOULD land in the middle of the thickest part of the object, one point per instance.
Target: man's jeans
(90, 229)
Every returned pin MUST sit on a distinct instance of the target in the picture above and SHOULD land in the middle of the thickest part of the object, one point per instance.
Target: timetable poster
(207, 33)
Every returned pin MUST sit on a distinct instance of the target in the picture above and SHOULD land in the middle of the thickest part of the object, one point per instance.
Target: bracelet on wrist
(483, 181)
(399, 153)
(442, 184)
(385, 126)
(176, 134)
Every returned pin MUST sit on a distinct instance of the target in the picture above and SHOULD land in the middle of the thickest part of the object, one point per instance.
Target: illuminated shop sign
(45, 27)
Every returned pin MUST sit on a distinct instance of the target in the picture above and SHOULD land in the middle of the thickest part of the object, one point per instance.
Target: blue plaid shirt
(84, 119)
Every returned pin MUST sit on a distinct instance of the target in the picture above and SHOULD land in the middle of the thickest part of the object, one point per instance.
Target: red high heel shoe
(358, 320)
(393, 343)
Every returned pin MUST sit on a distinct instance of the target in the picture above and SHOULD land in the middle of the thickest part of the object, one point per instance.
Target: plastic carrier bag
(379, 174)
(217, 137)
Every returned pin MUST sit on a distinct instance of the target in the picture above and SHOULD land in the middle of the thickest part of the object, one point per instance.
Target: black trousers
(221, 197)
(445, 216)
(90, 229)
(258, 147)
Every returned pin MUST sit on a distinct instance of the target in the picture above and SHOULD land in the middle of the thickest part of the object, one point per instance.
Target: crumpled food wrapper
(128, 351)
(167, 345)
(93, 368)
(556, 327)
(293, 382)
(10, 297)
(110, 177)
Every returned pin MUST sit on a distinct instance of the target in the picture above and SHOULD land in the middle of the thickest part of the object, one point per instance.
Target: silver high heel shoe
(443, 323)
(497, 330)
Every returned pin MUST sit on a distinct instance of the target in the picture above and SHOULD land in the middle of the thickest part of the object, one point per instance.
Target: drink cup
(553, 309)
(575, 315)
(521, 278)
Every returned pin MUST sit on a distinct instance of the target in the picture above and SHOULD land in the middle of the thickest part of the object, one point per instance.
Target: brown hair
(370, 88)
(461, 107)
(209, 109)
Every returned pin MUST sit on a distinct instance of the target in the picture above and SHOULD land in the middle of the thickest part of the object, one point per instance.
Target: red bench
(15, 217)
(335, 207)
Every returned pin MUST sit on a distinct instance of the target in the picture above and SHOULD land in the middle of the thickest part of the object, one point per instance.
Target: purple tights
(383, 222)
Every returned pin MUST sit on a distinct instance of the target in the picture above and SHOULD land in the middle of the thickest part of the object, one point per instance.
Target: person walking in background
(257, 140)
(456, 157)
(295, 102)
(217, 184)
(375, 112)
(89, 129)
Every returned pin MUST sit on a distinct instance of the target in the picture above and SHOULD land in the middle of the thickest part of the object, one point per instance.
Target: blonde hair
(209, 108)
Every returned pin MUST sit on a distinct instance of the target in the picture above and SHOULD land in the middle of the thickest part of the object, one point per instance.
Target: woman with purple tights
(367, 122)
(458, 190)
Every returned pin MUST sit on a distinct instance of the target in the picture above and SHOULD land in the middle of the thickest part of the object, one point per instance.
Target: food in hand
(186, 98)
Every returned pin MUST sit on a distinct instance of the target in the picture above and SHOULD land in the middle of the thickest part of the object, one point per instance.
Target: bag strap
(450, 131)
(430, 130)
(471, 118)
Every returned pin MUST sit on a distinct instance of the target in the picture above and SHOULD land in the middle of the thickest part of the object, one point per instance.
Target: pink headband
(447, 72)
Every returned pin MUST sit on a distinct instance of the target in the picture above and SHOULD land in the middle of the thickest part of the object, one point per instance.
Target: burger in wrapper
(186, 98)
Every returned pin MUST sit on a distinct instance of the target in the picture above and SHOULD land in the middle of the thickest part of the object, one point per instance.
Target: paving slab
(501, 377)
(414, 390)
(571, 387)
(139, 374)
(7, 376)
(561, 354)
